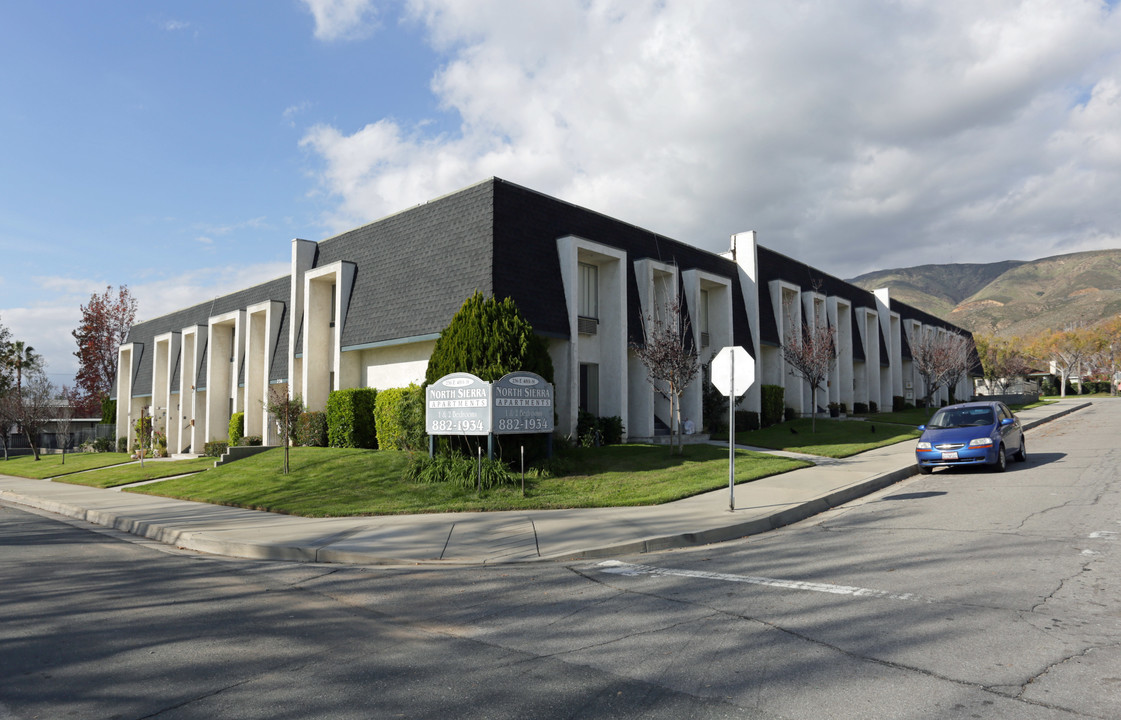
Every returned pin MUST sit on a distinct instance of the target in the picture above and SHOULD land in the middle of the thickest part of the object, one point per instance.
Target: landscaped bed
(329, 482)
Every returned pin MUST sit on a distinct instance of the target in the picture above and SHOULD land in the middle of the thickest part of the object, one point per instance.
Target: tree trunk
(34, 447)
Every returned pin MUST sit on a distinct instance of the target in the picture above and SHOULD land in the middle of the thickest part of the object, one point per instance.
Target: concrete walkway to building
(497, 537)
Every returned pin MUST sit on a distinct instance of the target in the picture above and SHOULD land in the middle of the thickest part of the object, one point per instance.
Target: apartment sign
(523, 403)
(463, 404)
(458, 404)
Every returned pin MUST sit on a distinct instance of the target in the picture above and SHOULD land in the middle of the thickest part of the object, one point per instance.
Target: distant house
(364, 309)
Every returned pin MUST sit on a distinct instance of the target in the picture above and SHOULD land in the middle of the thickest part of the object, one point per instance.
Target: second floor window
(588, 302)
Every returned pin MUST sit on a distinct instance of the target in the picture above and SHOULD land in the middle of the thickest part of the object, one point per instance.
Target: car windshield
(962, 417)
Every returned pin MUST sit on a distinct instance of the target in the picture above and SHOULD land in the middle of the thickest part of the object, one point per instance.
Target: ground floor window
(589, 388)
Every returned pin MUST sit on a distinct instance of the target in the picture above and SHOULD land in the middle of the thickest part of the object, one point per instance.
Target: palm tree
(20, 357)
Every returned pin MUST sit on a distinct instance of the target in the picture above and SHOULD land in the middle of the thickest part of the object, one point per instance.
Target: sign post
(733, 372)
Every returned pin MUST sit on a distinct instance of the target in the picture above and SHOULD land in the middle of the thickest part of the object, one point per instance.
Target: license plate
(949, 456)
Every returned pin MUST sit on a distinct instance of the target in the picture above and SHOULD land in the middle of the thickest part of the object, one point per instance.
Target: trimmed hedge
(399, 418)
(237, 428)
(311, 429)
(592, 431)
(216, 448)
(772, 401)
(746, 420)
(350, 418)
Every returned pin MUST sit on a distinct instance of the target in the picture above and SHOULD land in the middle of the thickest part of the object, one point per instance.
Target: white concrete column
(744, 253)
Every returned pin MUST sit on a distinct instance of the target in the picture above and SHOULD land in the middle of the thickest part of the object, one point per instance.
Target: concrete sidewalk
(497, 537)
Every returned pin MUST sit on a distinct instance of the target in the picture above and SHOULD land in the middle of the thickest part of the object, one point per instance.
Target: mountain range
(1012, 298)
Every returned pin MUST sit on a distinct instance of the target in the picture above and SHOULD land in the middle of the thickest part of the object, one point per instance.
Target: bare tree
(941, 357)
(9, 417)
(63, 418)
(669, 357)
(285, 411)
(809, 355)
(37, 403)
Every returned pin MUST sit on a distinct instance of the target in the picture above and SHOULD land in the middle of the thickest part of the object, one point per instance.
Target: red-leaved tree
(105, 323)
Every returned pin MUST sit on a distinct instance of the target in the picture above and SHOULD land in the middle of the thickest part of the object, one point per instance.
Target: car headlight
(922, 446)
(981, 442)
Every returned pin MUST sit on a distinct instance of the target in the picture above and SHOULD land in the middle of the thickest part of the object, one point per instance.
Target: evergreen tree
(489, 338)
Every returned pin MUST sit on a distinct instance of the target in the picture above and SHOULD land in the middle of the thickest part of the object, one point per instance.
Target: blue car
(975, 433)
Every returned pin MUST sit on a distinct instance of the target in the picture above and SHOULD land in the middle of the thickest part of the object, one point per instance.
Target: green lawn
(327, 482)
(125, 474)
(831, 438)
(52, 465)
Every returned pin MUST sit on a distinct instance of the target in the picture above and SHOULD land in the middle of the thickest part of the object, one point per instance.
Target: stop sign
(733, 371)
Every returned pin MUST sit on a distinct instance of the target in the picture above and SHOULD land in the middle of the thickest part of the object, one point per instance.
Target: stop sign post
(733, 372)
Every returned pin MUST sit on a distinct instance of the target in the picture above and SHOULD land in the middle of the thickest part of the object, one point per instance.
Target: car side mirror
(922, 427)
(1007, 421)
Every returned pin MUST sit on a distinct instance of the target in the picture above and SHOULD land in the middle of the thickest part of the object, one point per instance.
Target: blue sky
(177, 147)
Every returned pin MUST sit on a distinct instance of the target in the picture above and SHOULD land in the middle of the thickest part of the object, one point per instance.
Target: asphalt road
(955, 595)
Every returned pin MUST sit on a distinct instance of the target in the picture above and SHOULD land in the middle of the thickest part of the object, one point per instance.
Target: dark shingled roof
(146, 332)
(415, 268)
(776, 266)
(527, 226)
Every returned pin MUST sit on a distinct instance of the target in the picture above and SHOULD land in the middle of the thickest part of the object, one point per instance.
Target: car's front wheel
(924, 469)
(1001, 460)
(1022, 453)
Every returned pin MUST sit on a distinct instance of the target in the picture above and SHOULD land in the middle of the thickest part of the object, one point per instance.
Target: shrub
(399, 418)
(592, 431)
(489, 338)
(459, 471)
(159, 440)
(845, 408)
(311, 429)
(143, 430)
(873, 407)
(789, 413)
(122, 444)
(747, 420)
(859, 408)
(772, 405)
(103, 444)
(108, 410)
(252, 440)
(898, 403)
(350, 418)
(215, 448)
(610, 429)
(713, 404)
(237, 428)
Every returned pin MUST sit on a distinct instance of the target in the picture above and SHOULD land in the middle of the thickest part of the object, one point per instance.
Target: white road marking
(1103, 535)
(616, 567)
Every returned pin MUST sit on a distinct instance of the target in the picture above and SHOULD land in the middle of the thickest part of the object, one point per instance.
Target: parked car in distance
(973, 433)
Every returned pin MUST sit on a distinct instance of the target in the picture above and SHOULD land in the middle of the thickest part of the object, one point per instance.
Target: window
(589, 388)
(587, 303)
(333, 305)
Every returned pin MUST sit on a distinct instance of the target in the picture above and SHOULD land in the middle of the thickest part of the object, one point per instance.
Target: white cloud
(855, 136)
(160, 295)
(342, 19)
(175, 25)
(47, 325)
